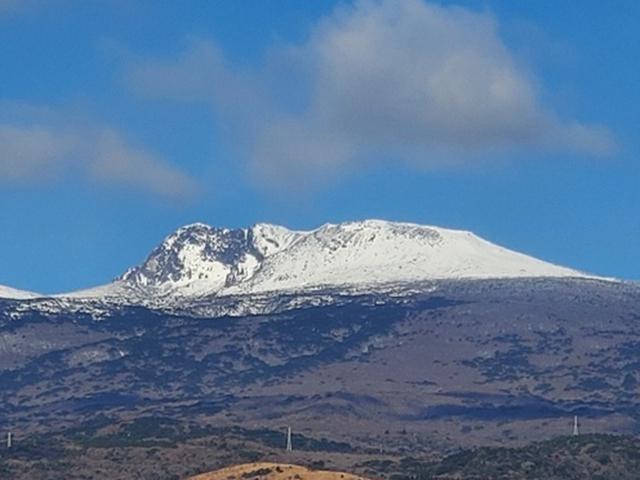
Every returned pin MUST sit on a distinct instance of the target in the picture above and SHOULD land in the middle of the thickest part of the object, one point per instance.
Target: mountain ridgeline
(200, 260)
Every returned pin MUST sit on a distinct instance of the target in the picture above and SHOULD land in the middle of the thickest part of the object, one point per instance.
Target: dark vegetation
(585, 457)
(260, 472)
(156, 445)
(166, 432)
(370, 380)
(153, 439)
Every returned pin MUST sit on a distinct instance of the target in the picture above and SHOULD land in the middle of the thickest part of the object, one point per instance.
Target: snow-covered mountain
(14, 294)
(199, 260)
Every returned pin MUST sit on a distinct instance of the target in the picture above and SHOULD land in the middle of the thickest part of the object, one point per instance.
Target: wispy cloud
(37, 145)
(388, 80)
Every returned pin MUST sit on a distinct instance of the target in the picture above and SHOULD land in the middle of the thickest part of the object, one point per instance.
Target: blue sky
(121, 121)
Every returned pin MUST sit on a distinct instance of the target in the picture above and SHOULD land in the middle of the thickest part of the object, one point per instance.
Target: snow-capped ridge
(15, 294)
(269, 239)
(200, 260)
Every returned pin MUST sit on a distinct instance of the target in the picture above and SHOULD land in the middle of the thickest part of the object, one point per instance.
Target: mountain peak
(194, 257)
(199, 259)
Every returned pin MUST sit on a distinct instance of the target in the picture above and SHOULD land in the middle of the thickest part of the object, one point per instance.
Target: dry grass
(273, 471)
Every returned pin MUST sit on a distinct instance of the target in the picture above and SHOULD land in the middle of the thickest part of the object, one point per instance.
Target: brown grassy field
(273, 471)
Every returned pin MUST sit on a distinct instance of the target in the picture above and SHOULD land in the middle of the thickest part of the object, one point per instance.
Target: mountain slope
(377, 252)
(474, 362)
(199, 260)
(12, 293)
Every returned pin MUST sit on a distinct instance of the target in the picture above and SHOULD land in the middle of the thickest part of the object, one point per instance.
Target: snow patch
(12, 293)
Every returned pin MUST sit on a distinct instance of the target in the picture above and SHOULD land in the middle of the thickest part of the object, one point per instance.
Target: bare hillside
(273, 471)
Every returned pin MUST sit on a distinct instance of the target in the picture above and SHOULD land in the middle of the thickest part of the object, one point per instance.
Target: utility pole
(289, 444)
(576, 430)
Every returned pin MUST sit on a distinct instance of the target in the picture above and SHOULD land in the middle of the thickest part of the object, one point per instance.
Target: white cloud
(44, 150)
(26, 152)
(117, 162)
(387, 80)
